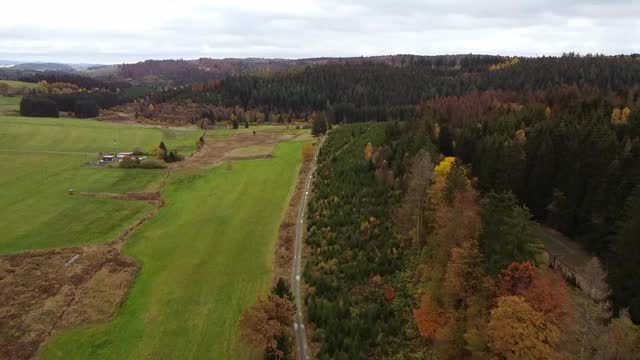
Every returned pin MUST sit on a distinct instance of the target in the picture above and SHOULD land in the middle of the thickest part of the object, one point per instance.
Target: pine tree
(625, 259)
(508, 233)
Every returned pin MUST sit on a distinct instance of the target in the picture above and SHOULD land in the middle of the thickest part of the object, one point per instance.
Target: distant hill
(180, 72)
(187, 71)
(43, 67)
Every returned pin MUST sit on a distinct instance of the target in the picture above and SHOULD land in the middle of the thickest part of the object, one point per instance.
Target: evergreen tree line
(378, 85)
(82, 104)
(352, 245)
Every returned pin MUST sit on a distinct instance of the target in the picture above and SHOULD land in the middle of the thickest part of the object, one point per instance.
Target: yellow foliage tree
(520, 137)
(517, 331)
(368, 152)
(616, 116)
(505, 64)
(439, 186)
(625, 114)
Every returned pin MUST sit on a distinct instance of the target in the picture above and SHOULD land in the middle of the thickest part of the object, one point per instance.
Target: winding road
(302, 346)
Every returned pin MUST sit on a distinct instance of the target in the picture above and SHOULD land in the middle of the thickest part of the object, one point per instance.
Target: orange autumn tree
(517, 331)
(430, 318)
(546, 292)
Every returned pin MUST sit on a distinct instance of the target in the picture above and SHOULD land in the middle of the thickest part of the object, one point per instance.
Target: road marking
(302, 325)
(298, 277)
(295, 326)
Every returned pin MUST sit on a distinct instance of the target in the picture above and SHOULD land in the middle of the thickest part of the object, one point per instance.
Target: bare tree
(621, 340)
(596, 280)
(598, 308)
(411, 212)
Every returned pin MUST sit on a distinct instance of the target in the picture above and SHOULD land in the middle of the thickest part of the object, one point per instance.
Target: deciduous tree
(368, 152)
(465, 276)
(430, 317)
(549, 295)
(265, 322)
(622, 340)
(517, 331)
(516, 278)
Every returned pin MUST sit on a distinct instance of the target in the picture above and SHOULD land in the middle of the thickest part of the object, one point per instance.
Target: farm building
(109, 158)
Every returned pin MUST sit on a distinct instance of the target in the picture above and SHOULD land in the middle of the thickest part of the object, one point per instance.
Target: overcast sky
(116, 31)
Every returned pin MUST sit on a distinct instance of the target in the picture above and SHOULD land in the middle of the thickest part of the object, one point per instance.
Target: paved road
(302, 347)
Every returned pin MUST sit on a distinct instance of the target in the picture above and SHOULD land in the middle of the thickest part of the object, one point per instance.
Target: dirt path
(302, 345)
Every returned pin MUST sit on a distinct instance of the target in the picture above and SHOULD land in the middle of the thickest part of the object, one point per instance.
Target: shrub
(151, 164)
(130, 162)
(37, 106)
(173, 156)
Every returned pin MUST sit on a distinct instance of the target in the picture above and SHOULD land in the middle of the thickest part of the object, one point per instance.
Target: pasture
(9, 105)
(14, 84)
(205, 257)
(40, 159)
(202, 259)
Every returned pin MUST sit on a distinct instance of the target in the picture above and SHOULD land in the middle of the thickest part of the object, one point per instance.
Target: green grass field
(40, 159)
(205, 258)
(13, 84)
(9, 105)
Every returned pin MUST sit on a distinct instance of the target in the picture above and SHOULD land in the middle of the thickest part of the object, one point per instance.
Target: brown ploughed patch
(46, 291)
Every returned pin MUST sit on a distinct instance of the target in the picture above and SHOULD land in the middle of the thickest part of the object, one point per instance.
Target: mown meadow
(205, 257)
(41, 159)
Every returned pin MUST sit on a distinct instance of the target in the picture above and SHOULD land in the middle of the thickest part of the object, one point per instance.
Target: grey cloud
(349, 28)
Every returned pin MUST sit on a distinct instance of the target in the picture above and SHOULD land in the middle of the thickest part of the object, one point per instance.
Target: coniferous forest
(449, 264)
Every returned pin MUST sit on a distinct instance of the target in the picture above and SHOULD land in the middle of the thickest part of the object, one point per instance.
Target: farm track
(302, 345)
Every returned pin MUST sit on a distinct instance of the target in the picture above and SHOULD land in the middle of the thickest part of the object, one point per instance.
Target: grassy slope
(34, 185)
(44, 134)
(19, 84)
(204, 258)
(9, 104)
